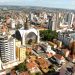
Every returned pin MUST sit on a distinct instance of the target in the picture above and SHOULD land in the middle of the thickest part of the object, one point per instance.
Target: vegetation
(21, 67)
(48, 35)
(38, 73)
(51, 68)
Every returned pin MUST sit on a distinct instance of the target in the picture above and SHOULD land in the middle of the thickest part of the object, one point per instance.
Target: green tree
(21, 67)
(48, 35)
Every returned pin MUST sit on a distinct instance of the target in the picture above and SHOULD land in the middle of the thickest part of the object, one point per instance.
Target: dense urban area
(37, 41)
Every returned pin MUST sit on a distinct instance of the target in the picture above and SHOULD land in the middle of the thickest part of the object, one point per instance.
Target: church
(27, 34)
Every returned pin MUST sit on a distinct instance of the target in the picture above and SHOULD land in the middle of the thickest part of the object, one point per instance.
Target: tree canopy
(21, 67)
(48, 35)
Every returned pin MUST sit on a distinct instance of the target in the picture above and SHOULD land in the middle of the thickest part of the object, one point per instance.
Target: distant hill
(35, 8)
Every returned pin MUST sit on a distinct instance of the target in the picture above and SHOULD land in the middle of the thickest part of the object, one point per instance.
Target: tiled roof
(49, 54)
(24, 73)
(13, 72)
(42, 62)
(60, 57)
(31, 65)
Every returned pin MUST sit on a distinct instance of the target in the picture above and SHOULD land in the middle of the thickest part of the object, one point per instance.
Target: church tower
(26, 24)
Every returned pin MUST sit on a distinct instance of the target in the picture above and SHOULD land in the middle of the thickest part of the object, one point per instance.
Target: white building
(49, 50)
(0, 64)
(29, 34)
(66, 37)
(13, 24)
(7, 49)
(59, 58)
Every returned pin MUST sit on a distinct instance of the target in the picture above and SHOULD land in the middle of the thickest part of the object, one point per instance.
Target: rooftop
(60, 57)
(24, 73)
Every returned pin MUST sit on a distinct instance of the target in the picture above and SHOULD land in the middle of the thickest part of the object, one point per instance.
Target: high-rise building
(7, 49)
(0, 64)
(50, 22)
(13, 24)
(68, 19)
(21, 53)
(18, 43)
(31, 16)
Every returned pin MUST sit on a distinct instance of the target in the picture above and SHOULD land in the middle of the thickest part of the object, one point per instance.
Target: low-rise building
(2, 72)
(24, 73)
(32, 67)
(13, 72)
(49, 55)
(52, 44)
(28, 50)
(43, 64)
(60, 59)
(49, 50)
(66, 52)
(59, 44)
(72, 57)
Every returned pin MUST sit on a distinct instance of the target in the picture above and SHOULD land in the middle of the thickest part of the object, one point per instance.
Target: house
(32, 67)
(24, 73)
(72, 57)
(52, 44)
(49, 50)
(2, 72)
(59, 44)
(43, 64)
(49, 55)
(13, 72)
(60, 59)
(66, 52)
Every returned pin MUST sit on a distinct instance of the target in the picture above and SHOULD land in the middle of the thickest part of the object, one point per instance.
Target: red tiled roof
(60, 57)
(13, 72)
(31, 65)
(49, 54)
(42, 62)
(24, 73)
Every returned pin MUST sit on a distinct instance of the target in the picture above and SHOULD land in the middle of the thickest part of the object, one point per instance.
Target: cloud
(7, 1)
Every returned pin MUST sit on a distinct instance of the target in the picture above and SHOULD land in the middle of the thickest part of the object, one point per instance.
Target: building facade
(7, 49)
(21, 53)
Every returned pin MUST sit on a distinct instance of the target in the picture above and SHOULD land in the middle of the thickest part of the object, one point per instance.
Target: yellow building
(59, 44)
(52, 44)
(18, 43)
(21, 53)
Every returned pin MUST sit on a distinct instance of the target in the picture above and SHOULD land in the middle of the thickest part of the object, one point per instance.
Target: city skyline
(37, 40)
(66, 4)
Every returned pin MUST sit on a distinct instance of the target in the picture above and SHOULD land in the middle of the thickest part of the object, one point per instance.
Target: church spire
(27, 24)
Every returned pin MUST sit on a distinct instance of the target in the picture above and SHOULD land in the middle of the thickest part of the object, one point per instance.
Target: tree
(21, 67)
(48, 35)
(38, 73)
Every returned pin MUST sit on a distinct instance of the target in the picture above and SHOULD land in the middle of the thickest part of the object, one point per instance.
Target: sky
(67, 4)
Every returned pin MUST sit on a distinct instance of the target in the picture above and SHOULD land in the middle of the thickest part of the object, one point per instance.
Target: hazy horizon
(65, 4)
